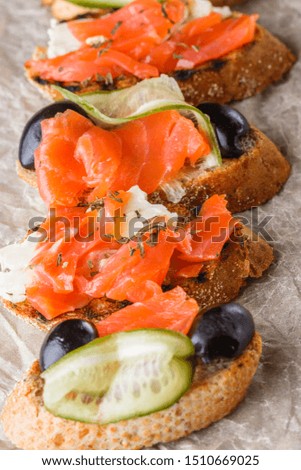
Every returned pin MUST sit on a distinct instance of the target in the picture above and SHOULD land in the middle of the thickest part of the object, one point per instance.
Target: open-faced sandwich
(148, 136)
(132, 389)
(90, 261)
(215, 55)
(132, 271)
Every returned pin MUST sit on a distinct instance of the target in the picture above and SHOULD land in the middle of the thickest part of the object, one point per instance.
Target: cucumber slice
(100, 3)
(195, 13)
(112, 109)
(120, 376)
(126, 102)
(133, 100)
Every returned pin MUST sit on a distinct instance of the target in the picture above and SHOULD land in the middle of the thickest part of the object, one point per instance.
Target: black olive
(230, 126)
(223, 331)
(184, 74)
(31, 136)
(63, 338)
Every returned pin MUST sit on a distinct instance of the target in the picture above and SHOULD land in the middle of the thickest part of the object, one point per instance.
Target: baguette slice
(63, 10)
(248, 181)
(216, 390)
(247, 256)
(238, 75)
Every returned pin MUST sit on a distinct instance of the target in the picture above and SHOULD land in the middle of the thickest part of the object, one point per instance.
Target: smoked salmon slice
(177, 140)
(59, 173)
(129, 268)
(80, 261)
(225, 37)
(88, 63)
(75, 156)
(135, 145)
(51, 304)
(140, 15)
(207, 235)
(128, 36)
(144, 39)
(210, 230)
(100, 153)
(192, 47)
(171, 310)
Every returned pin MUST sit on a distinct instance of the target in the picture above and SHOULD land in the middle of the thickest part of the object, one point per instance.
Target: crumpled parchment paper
(270, 417)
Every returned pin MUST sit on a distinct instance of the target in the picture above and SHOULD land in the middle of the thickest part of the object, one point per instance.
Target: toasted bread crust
(247, 256)
(247, 181)
(236, 76)
(240, 74)
(214, 393)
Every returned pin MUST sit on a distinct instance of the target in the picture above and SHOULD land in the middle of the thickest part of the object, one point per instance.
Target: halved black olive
(223, 331)
(63, 338)
(31, 136)
(230, 126)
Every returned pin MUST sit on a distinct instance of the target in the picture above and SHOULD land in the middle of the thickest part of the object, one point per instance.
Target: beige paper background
(270, 417)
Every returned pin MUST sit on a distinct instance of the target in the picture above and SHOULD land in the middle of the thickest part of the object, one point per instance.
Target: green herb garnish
(182, 44)
(116, 27)
(141, 248)
(177, 56)
(114, 195)
(93, 273)
(102, 51)
(132, 250)
(164, 12)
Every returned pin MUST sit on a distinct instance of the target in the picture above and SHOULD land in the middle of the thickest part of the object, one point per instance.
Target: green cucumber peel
(111, 109)
(100, 3)
(120, 376)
